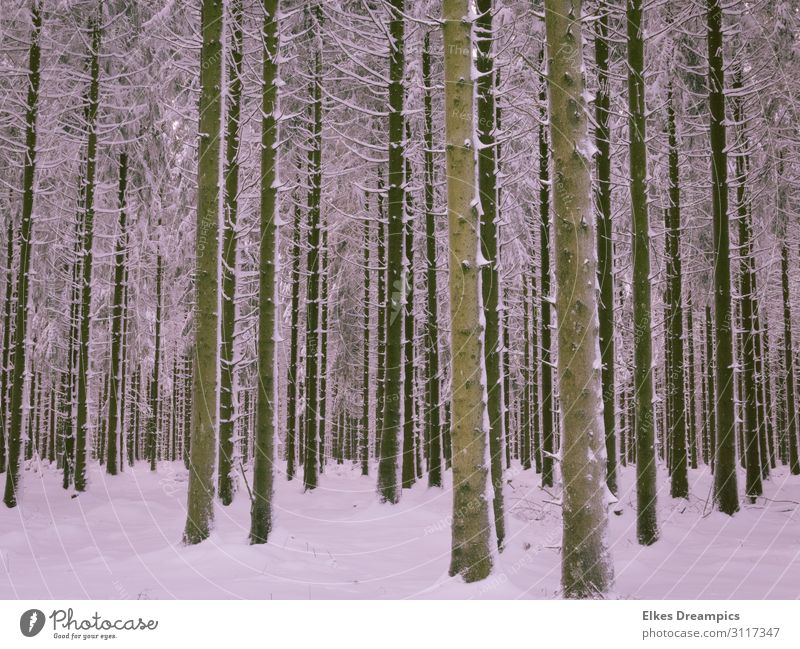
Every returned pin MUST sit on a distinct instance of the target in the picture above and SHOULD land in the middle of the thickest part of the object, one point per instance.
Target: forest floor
(121, 539)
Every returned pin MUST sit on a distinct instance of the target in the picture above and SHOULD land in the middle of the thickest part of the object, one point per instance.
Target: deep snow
(121, 539)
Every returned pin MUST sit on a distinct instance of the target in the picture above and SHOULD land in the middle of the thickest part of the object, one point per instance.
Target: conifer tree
(392, 420)
(229, 249)
(266, 394)
(115, 411)
(725, 489)
(24, 260)
(82, 421)
(646, 523)
(200, 509)
(586, 569)
(471, 555)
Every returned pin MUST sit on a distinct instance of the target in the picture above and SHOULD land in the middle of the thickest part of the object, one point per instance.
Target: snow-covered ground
(121, 539)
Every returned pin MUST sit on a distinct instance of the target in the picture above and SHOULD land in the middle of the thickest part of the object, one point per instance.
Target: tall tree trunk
(605, 241)
(154, 421)
(679, 481)
(392, 420)
(363, 442)
(548, 438)
(471, 555)
(26, 236)
(533, 385)
(646, 522)
(266, 397)
(5, 353)
(117, 315)
(408, 472)
(187, 414)
(200, 509)
(432, 383)
(525, 445)
(749, 309)
(84, 328)
(380, 388)
(691, 389)
(789, 369)
(711, 392)
(292, 401)
(322, 392)
(124, 356)
(725, 489)
(311, 418)
(490, 276)
(587, 570)
(229, 247)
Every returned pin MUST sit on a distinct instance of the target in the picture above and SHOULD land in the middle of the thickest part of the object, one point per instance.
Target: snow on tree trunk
(200, 509)
(471, 555)
(266, 406)
(16, 405)
(225, 487)
(114, 426)
(587, 571)
(605, 241)
(646, 523)
(82, 422)
(393, 396)
(725, 489)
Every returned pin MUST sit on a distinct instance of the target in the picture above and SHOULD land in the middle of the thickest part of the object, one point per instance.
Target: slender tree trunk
(749, 311)
(363, 442)
(646, 522)
(691, 390)
(84, 328)
(507, 380)
(490, 275)
(153, 423)
(311, 418)
(322, 393)
(124, 430)
(711, 382)
(587, 570)
(200, 509)
(432, 383)
(26, 236)
(408, 468)
(229, 247)
(548, 438)
(679, 481)
(266, 395)
(725, 489)
(292, 402)
(533, 385)
(525, 452)
(187, 414)
(392, 420)
(605, 241)
(471, 555)
(788, 349)
(380, 388)
(5, 369)
(114, 412)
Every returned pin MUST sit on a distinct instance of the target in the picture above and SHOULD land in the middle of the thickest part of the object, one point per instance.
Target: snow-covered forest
(399, 298)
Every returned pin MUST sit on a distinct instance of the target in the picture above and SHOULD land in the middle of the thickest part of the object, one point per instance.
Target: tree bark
(586, 569)
(471, 555)
(266, 398)
(200, 509)
(24, 261)
(725, 489)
